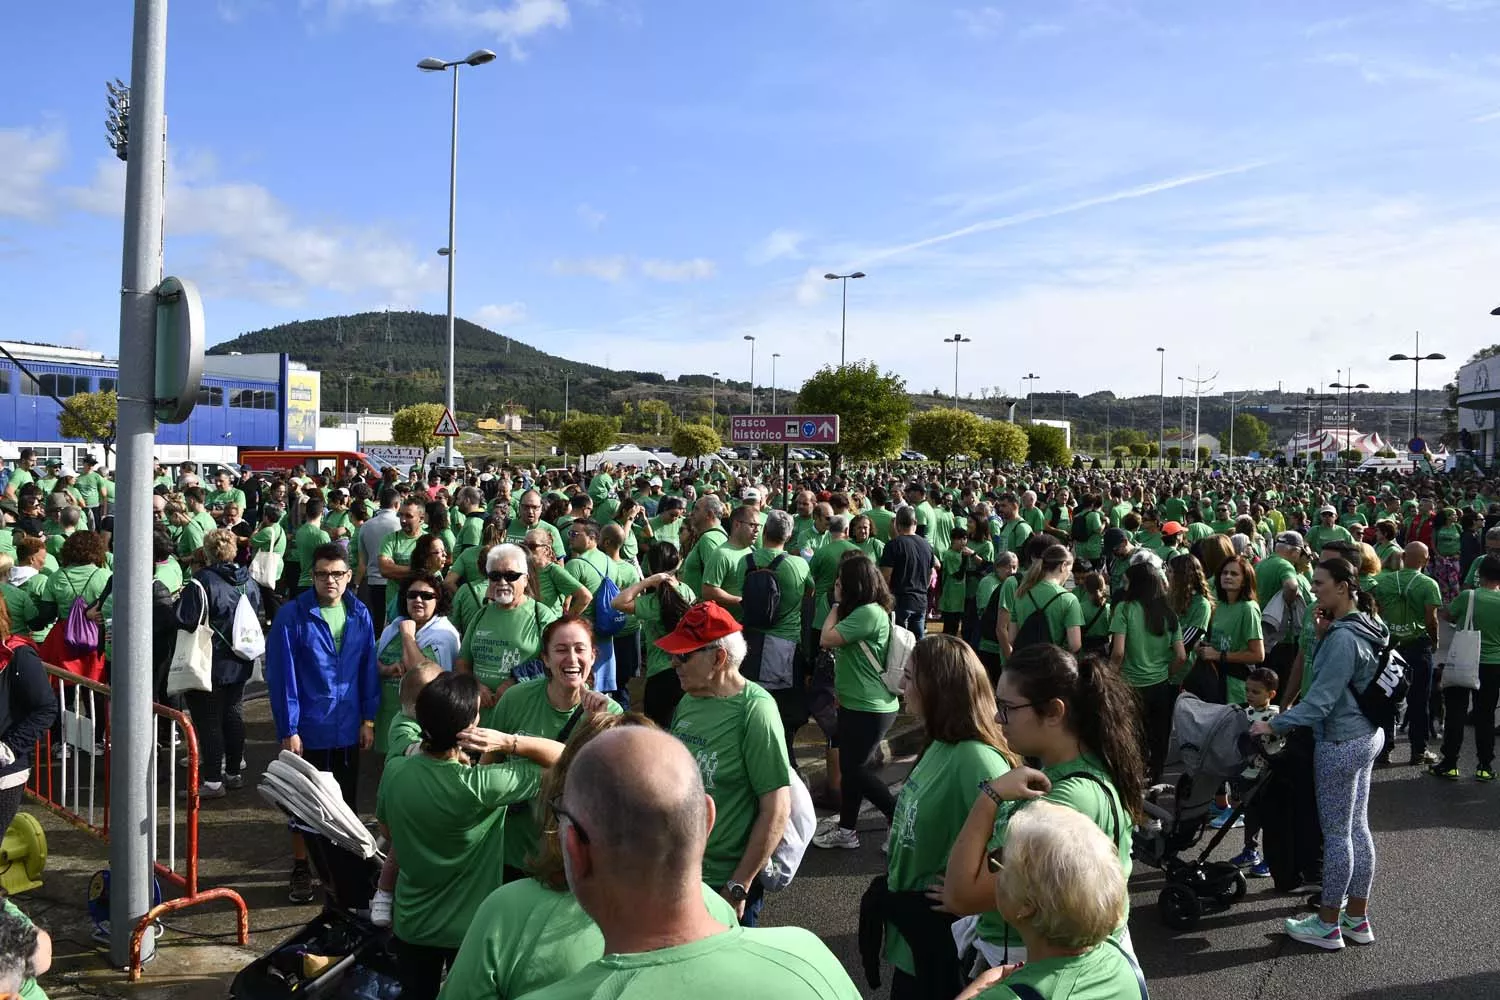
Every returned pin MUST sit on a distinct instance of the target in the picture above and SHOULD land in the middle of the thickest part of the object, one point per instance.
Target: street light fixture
(751, 338)
(955, 340)
(713, 401)
(1161, 412)
(476, 58)
(844, 312)
(1348, 408)
(1030, 396)
(773, 383)
(1416, 357)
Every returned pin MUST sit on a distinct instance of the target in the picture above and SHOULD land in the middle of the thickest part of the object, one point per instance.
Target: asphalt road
(1436, 889)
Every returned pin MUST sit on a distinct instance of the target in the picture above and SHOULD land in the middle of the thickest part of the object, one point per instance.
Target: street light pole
(1349, 408)
(955, 340)
(752, 373)
(774, 356)
(1181, 414)
(1161, 412)
(476, 58)
(713, 402)
(844, 312)
(1031, 395)
(1417, 357)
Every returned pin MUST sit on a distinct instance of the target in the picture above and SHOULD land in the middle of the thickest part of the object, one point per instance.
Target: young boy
(403, 739)
(952, 591)
(1260, 694)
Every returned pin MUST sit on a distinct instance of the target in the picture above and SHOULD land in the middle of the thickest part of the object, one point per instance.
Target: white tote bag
(265, 567)
(1461, 670)
(193, 657)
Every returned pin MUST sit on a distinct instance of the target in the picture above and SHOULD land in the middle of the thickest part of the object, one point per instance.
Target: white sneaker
(380, 908)
(885, 848)
(826, 823)
(837, 837)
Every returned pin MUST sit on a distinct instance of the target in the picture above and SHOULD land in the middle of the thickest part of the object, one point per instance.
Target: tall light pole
(476, 58)
(1348, 407)
(751, 338)
(1181, 414)
(1198, 382)
(346, 397)
(1161, 412)
(1416, 358)
(1233, 402)
(713, 401)
(774, 356)
(1030, 397)
(844, 312)
(955, 340)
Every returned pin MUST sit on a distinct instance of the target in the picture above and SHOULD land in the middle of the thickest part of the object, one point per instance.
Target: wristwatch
(737, 892)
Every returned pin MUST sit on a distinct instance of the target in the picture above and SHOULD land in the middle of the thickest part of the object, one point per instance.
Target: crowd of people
(472, 635)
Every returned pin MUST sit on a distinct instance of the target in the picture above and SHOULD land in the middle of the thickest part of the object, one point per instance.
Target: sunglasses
(505, 576)
(562, 813)
(420, 595)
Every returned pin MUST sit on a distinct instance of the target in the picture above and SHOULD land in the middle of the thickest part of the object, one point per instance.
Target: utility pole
(1198, 383)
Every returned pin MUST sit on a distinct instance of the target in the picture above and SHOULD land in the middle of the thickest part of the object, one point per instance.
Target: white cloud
(981, 22)
(253, 245)
(781, 243)
(497, 317)
(591, 216)
(696, 269)
(611, 269)
(30, 156)
(511, 22)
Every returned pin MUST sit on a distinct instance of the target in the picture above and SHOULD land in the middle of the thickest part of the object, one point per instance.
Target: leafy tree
(1174, 452)
(586, 435)
(694, 441)
(872, 409)
(1047, 445)
(655, 416)
(1003, 442)
(330, 420)
(945, 432)
(1203, 453)
(1250, 433)
(412, 426)
(90, 416)
(1140, 449)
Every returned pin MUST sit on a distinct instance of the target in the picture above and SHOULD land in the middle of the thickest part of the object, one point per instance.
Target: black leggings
(10, 804)
(1456, 711)
(663, 692)
(421, 967)
(219, 718)
(860, 734)
(1156, 723)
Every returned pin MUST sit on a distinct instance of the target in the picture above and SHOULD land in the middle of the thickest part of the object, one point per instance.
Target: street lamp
(844, 313)
(955, 340)
(773, 383)
(1031, 399)
(751, 338)
(713, 401)
(476, 58)
(1348, 408)
(1161, 412)
(1181, 416)
(1416, 357)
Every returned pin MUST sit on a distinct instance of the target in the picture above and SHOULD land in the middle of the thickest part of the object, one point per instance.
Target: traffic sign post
(447, 426)
(785, 428)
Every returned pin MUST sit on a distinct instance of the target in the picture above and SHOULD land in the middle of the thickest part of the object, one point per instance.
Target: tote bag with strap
(192, 663)
(265, 567)
(1462, 667)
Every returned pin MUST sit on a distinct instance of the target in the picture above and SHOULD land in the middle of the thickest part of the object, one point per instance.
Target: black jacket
(928, 933)
(223, 584)
(27, 705)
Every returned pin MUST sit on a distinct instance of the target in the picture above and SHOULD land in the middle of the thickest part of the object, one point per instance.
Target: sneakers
(211, 790)
(837, 838)
(234, 782)
(1222, 819)
(1484, 774)
(300, 887)
(1311, 930)
(1423, 758)
(1356, 930)
(1248, 858)
(1261, 870)
(825, 824)
(1442, 770)
(380, 908)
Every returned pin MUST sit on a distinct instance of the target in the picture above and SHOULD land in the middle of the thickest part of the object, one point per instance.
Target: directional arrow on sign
(826, 429)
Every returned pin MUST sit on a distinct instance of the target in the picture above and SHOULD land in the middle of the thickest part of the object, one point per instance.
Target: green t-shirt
(1233, 628)
(89, 485)
(741, 754)
(400, 734)
(309, 537)
(466, 565)
(526, 936)
(1011, 536)
(1148, 657)
(223, 498)
(1092, 546)
(696, 561)
(1101, 973)
(1486, 620)
(872, 547)
(725, 569)
(191, 539)
(21, 607)
(271, 538)
(952, 580)
(1318, 536)
(791, 577)
(987, 590)
(447, 823)
(467, 602)
(169, 575)
(1404, 597)
(556, 586)
(30, 990)
(648, 613)
(516, 533)
(1063, 611)
(742, 963)
(930, 811)
(881, 521)
(501, 639)
(397, 546)
(472, 532)
(336, 616)
(856, 678)
(1270, 573)
(823, 570)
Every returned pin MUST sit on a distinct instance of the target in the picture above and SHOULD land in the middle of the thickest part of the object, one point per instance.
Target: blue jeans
(1418, 656)
(754, 902)
(911, 613)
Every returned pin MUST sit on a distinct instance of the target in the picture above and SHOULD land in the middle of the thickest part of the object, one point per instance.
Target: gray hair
(838, 524)
(711, 504)
(1007, 559)
(734, 648)
(506, 551)
(778, 527)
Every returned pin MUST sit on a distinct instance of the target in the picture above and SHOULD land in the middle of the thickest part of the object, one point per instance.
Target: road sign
(446, 427)
(1416, 446)
(785, 428)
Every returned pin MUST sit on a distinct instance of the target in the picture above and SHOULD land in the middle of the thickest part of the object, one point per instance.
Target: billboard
(785, 428)
(301, 410)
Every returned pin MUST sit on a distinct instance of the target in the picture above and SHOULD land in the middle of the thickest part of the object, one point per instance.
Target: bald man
(633, 822)
(1409, 601)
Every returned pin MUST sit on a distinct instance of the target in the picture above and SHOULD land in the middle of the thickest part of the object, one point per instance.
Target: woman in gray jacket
(1346, 744)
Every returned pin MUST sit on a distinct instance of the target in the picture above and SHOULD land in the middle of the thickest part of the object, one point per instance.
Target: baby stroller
(1214, 745)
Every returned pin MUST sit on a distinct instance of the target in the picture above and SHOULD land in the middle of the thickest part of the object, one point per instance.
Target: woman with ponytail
(1345, 745)
(1043, 592)
(1079, 718)
(658, 603)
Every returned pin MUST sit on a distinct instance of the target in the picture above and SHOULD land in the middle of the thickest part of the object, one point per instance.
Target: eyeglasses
(505, 576)
(420, 595)
(1003, 710)
(562, 813)
(995, 860)
(680, 658)
(531, 506)
(326, 576)
(536, 546)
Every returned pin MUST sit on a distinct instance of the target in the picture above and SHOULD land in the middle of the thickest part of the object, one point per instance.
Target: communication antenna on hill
(390, 360)
(341, 331)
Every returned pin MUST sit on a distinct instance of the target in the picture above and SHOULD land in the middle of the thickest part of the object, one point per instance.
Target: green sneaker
(1443, 771)
(1484, 774)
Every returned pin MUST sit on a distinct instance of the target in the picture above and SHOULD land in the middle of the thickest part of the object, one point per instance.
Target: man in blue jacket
(323, 685)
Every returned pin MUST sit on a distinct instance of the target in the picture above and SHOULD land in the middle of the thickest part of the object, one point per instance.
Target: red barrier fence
(70, 777)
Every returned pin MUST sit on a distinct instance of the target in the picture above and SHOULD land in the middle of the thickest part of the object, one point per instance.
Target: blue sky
(1272, 190)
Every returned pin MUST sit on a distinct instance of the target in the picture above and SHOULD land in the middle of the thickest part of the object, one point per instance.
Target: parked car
(913, 456)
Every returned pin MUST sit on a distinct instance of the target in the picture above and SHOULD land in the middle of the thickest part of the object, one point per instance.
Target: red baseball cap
(703, 623)
(1172, 528)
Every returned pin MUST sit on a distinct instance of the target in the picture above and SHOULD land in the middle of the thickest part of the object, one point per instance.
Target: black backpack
(1080, 530)
(989, 618)
(1035, 629)
(760, 605)
(1387, 689)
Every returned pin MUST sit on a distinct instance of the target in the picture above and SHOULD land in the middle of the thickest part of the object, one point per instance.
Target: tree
(586, 435)
(1250, 433)
(1047, 445)
(872, 409)
(412, 426)
(945, 432)
(694, 441)
(1003, 442)
(655, 416)
(90, 416)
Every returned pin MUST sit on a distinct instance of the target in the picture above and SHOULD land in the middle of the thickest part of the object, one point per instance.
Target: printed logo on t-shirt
(708, 765)
(904, 822)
